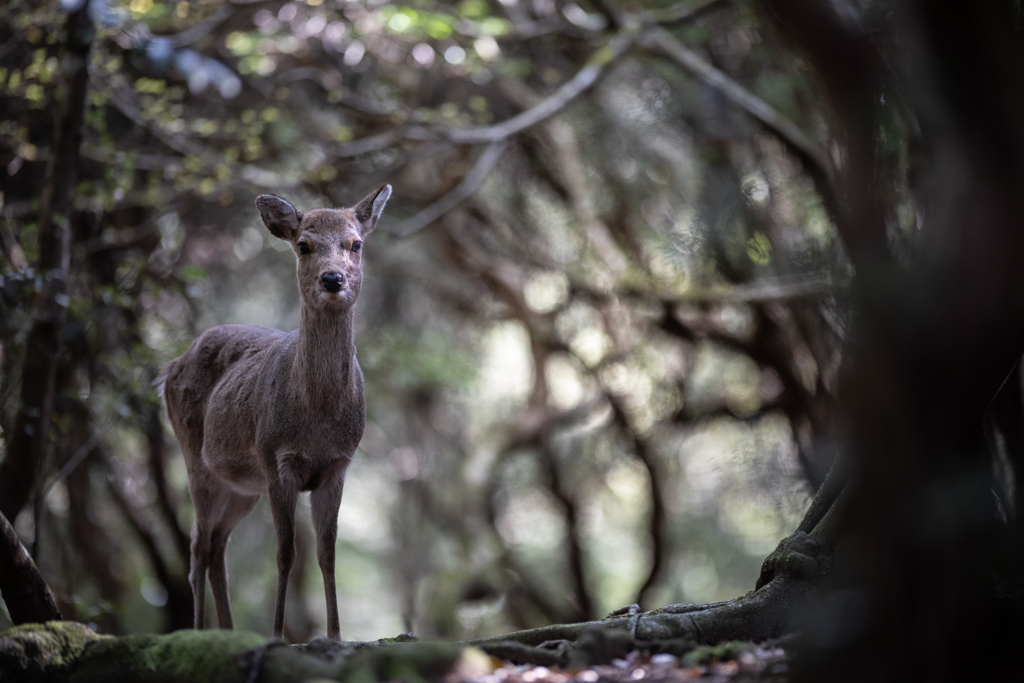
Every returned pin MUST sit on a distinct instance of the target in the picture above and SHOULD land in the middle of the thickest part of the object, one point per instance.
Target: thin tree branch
(679, 13)
(179, 604)
(76, 459)
(579, 83)
(758, 291)
(572, 518)
(584, 79)
(658, 524)
(663, 41)
(764, 291)
(803, 146)
(368, 144)
(191, 35)
(468, 186)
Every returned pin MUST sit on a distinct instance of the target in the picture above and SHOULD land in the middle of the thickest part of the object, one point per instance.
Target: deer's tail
(161, 380)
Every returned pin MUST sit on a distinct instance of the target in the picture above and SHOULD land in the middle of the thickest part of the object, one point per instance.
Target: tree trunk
(24, 464)
(25, 593)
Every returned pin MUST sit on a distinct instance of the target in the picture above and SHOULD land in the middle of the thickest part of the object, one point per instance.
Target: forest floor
(62, 651)
(731, 662)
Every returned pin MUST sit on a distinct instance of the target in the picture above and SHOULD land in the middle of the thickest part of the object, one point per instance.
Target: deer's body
(259, 411)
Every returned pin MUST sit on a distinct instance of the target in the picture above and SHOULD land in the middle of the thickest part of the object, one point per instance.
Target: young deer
(261, 411)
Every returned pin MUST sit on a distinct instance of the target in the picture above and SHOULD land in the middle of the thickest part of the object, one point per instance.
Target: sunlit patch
(487, 48)
(564, 383)
(546, 291)
(698, 578)
(423, 54)
(454, 55)
(591, 344)
(153, 591)
(531, 520)
(507, 368)
(248, 244)
(354, 53)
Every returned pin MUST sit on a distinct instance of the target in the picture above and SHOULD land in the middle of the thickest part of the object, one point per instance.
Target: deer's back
(192, 377)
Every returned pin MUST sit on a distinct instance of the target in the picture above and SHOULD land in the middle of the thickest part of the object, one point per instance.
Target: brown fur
(262, 411)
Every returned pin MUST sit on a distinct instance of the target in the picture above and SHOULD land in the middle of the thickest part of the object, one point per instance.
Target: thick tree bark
(933, 344)
(25, 593)
(22, 467)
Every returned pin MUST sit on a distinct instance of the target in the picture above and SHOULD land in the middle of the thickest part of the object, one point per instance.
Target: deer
(260, 411)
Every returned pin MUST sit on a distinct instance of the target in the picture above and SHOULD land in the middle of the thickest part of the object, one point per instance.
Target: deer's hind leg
(209, 496)
(235, 508)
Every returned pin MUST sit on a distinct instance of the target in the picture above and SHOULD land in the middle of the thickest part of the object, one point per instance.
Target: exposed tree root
(767, 612)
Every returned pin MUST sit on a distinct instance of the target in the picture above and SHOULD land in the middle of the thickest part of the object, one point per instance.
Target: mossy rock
(409, 663)
(66, 652)
(44, 652)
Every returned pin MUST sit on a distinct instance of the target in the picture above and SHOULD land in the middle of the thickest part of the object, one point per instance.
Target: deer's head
(328, 244)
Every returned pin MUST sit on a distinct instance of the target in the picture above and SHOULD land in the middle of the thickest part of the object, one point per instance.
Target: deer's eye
(303, 248)
(357, 246)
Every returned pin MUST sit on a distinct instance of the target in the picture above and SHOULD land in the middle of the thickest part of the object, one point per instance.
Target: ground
(62, 651)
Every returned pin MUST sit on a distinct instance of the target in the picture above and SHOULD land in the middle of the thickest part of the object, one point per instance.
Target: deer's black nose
(333, 282)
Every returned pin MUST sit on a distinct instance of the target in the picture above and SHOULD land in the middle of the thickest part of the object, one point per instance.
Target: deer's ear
(280, 217)
(370, 207)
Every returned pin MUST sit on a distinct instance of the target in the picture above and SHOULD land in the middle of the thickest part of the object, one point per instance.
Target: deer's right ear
(280, 217)
(369, 208)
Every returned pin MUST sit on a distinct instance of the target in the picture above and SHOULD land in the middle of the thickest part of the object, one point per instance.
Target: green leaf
(759, 249)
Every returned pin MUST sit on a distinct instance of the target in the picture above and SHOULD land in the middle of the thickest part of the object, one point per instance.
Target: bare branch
(662, 41)
(179, 605)
(763, 291)
(679, 13)
(759, 291)
(191, 35)
(658, 523)
(583, 79)
(124, 104)
(569, 91)
(368, 144)
(463, 190)
(570, 508)
(76, 459)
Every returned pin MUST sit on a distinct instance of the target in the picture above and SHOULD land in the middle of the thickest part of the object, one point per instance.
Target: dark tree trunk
(934, 342)
(25, 593)
(22, 467)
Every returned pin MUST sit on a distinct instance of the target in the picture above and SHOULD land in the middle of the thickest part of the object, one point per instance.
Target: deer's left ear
(280, 217)
(370, 207)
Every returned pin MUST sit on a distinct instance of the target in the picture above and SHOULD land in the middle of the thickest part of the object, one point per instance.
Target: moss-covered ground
(68, 652)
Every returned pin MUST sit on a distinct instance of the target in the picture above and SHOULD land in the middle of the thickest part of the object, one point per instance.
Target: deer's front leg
(282, 505)
(325, 502)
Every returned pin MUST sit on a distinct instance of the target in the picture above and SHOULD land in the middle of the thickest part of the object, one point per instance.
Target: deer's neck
(324, 360)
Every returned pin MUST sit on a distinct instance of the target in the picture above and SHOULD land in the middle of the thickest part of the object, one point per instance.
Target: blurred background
(600, 324)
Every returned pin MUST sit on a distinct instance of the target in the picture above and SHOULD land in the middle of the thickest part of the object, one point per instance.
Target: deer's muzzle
(333, 282)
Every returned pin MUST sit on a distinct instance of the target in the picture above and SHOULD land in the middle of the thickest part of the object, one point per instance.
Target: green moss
(179, 656)
(725, 652)
(410, 663)
(66, 652)
(44, 651)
